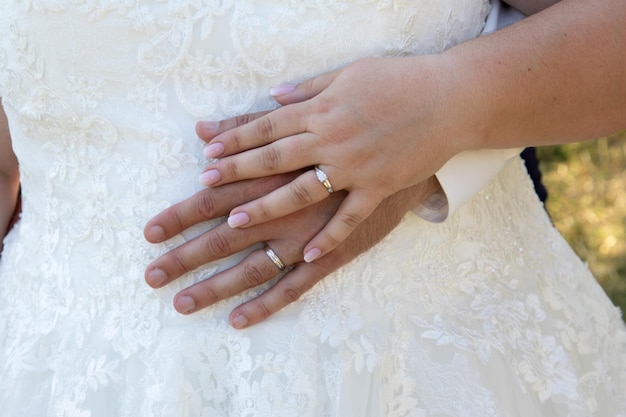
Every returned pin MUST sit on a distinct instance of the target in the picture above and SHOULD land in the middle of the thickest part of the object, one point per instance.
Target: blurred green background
(586, 185)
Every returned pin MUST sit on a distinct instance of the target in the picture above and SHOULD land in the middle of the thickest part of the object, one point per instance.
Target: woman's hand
(286, 236)
(374, 127)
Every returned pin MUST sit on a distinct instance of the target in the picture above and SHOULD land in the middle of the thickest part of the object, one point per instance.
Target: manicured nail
(156, 278)
(185, 304)
(312, 254)
(213, 150)
(282, 89)
(210, 177)
(239, 321)
(155, 234)
(209, 126)
(238, 219)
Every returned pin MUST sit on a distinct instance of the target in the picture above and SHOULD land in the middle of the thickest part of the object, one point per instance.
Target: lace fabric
(489, 313)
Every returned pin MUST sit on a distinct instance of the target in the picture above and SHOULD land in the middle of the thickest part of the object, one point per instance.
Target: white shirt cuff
(462, 177)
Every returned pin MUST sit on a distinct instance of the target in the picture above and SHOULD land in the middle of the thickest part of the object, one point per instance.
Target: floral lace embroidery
(430, 322)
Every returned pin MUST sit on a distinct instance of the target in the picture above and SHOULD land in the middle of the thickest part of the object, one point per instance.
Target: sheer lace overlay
(487, 314)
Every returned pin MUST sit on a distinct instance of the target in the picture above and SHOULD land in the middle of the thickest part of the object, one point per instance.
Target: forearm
(555, 77)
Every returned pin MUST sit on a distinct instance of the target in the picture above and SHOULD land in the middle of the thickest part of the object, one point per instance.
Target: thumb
(295, 93)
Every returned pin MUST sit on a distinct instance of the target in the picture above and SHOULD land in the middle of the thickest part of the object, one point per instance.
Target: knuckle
(262, 310)
(351, 220)
(291, 294)
(232, 169)
(301, 195)
(174, 218)
(178, 262)
(307, 84)
(217, 245)
(265, 128)
(235, 140)
(205, 206)
(326, 265)
(323, 105)
(253, 276)
(243, 119)
(207, 294)
(263, 211)
(270, 157)
(334, 242)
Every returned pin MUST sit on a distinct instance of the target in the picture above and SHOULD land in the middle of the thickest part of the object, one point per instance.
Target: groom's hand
(286, 236)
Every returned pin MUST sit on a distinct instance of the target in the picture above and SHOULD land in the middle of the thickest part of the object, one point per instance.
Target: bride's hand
(374, 128)
(286, 236)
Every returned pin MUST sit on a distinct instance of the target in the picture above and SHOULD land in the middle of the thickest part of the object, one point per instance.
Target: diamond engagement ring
(323, 178)
(273, 257)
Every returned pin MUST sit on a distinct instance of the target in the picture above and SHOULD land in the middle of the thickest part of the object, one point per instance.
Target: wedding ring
(323, 178)
(273, 257)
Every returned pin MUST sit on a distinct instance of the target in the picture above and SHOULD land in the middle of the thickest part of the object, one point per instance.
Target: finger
(282, 156)
(200, 207)
(256, 269)
(220, 242)
(207, 130)
(289, 93)
(351, 213)
(208, 204)
(283, 94)
(287, 290)
(280, 123)
(302, 192)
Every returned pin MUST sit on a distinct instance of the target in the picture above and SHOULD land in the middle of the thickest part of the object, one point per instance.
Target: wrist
(464, 93)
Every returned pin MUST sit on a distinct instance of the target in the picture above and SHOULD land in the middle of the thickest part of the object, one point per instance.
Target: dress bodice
(486, 314)
(102, 96)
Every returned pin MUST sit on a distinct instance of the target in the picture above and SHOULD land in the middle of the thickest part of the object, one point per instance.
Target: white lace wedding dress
(487, 314)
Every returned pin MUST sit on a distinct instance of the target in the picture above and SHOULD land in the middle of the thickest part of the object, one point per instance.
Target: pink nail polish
(312, 255)
(282, 89)
(238, 219)
(214, 150)
(210, 177)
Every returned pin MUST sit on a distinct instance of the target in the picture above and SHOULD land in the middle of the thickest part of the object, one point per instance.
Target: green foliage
(586, 184)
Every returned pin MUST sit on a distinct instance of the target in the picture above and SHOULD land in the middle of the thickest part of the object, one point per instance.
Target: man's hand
(286, 236)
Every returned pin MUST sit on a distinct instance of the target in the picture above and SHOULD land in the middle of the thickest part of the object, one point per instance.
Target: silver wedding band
(323, 178)
(273, 257)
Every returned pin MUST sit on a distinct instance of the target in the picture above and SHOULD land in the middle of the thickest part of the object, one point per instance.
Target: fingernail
(312, 254)
(239, 321)
(156, 278)
(214, 150)
(238, 219)
(209, 126)
(185, 304)
(155, 234)
(210, 177)
(282, 89)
